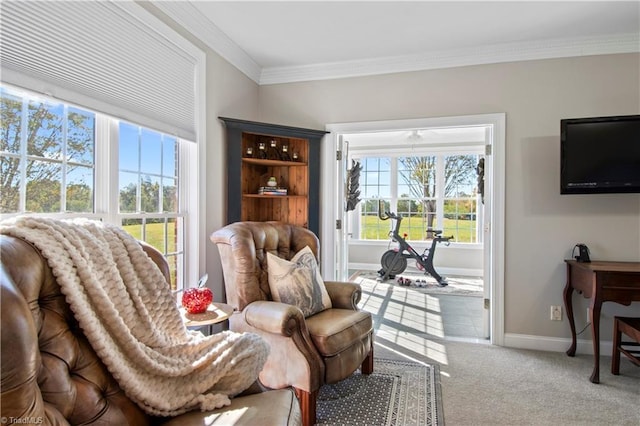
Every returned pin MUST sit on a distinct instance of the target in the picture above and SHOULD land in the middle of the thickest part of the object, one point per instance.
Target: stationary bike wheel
(387, 263)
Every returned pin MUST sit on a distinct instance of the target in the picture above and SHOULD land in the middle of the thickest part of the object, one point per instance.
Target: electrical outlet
(556, 313)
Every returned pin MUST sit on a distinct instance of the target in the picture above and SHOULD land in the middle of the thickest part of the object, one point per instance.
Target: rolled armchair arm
(274, 317)
(344, 295)
(294, 360)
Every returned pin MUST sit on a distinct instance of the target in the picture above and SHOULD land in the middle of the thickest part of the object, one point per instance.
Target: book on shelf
(272, 190)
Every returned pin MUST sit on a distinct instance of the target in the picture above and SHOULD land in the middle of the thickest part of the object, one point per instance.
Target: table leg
(568, 307)
(594, 317)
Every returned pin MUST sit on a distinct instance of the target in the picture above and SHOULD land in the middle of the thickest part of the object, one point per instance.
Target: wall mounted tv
(600, 155)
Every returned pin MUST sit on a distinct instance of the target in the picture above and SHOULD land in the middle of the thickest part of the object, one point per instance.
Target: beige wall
(541, 225)
(229, 94)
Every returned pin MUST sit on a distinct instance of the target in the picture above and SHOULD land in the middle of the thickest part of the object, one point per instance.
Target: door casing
(332, 192)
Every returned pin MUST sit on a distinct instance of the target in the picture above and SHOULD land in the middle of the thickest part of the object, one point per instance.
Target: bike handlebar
(384, 215)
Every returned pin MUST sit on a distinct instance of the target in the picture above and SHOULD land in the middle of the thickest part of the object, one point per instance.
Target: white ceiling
(284, 41)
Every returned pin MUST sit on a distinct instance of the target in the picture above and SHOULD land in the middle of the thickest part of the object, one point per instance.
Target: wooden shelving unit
(248, 172)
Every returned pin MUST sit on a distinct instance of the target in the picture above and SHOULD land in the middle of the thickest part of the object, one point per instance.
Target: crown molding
(197, 24)
(507, 52)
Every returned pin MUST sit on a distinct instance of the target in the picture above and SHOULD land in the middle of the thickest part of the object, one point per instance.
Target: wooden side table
(216, 312)
(599, 281)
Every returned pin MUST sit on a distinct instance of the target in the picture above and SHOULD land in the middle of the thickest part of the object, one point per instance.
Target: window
(47, 162)
(375, 184)
(148, 179)
(52, 155)
(417, 195)
(430, 192)
(460, 201)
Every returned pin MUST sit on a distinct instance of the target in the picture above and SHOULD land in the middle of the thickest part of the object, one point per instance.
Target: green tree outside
(49, 153)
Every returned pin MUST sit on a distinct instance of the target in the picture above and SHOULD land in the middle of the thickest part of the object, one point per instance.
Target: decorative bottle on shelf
(284, 155)
(274, 153)
(262, 150)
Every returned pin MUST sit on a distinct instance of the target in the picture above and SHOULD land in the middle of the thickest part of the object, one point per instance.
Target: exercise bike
(394, 261)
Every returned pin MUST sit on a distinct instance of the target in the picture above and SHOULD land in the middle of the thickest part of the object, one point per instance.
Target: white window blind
(112, 57)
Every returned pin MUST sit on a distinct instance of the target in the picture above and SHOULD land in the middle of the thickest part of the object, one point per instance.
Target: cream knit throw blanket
(125, 308)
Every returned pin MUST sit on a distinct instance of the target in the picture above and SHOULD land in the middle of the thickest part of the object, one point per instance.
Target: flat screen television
(600, 155)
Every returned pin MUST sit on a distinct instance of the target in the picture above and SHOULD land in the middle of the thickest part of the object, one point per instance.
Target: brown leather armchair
(51, 375)
(305, 353)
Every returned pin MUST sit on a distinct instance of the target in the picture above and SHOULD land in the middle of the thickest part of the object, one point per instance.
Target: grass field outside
(155, 236)
(372, 228)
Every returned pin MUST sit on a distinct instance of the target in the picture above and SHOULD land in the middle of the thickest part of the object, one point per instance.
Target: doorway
(483, 134)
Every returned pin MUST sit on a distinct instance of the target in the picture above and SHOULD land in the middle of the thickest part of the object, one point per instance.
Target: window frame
(106, 183)
(440, 154)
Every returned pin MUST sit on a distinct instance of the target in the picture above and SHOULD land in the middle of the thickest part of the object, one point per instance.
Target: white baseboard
(554, 344)
(464, 272)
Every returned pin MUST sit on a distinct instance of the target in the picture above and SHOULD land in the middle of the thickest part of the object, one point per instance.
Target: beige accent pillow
(298, 282)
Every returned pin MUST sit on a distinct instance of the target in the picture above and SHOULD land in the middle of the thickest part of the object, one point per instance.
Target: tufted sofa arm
(21, 396)
(49, 370)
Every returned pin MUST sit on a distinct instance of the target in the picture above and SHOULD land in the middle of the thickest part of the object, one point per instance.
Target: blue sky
(146, 152)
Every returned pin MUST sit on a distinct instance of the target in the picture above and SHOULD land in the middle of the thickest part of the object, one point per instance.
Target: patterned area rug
(418, 281)
(396, 393)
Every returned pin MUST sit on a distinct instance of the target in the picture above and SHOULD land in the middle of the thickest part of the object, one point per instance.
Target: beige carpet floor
(491, 385)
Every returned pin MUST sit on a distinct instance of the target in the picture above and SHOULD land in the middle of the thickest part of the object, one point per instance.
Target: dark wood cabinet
(258, 151)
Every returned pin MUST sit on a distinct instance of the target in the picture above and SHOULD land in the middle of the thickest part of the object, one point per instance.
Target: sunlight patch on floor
(415, 323)
(411, 343)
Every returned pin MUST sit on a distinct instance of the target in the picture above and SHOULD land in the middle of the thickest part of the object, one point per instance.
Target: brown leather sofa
(306, 353)
(51, 375)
